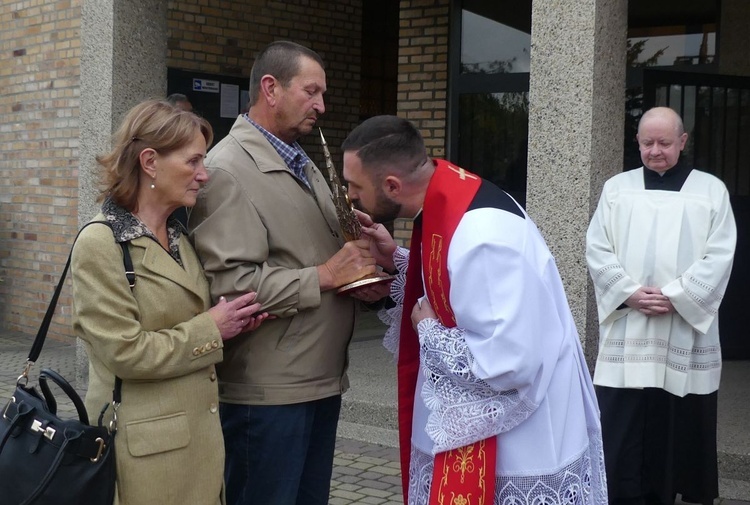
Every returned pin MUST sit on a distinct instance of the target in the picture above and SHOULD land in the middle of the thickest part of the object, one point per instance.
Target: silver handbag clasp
(47, 431)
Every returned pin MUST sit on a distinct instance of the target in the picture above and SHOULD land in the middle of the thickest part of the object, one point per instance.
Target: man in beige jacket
(266, 222)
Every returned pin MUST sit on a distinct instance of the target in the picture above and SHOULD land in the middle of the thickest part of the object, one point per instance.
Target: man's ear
(392, 186)
(268, 87)
(147, 158)
(683, 140)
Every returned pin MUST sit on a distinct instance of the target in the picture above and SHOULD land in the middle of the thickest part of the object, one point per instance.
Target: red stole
(467, 474)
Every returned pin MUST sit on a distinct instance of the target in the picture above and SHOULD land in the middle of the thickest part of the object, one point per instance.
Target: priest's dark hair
(387, 141)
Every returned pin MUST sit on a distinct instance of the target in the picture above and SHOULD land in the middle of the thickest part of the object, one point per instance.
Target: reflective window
(717, 120)
(489, 91)
(666, 46)
(666, 35)
(493, 138)
(510, 45)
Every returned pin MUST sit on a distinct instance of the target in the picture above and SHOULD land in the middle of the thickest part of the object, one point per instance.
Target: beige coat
(257, 228)
(161, 342)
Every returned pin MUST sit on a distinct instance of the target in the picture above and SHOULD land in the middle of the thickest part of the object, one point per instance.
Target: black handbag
(46, 460)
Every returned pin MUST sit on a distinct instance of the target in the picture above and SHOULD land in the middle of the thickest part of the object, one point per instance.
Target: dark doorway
(217, 98)
(379, 74)
(716, 113)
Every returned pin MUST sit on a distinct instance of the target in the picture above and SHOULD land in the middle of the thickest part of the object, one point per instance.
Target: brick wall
(39, 104)
(423, 79)
(423, 69)
(223, 37)
(39, 109)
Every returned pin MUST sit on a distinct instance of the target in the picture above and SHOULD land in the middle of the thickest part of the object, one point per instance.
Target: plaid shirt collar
(293, 155)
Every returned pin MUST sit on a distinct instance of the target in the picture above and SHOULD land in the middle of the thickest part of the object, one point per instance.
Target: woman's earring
(153, 183)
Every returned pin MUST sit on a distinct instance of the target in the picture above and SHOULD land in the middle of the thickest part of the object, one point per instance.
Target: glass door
(716, 113)
(488, 113)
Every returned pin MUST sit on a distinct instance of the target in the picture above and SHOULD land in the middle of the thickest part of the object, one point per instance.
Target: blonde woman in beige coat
(162, 337)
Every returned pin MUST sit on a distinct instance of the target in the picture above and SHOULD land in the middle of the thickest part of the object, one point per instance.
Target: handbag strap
(130, 275)
(41, 335)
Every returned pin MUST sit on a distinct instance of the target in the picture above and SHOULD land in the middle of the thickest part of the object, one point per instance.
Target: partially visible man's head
(287, 81)
(280, 59)
(180, 101)
(661, 138)
(385, 163)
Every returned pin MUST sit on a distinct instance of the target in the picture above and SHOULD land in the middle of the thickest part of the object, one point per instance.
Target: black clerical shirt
(672, 180)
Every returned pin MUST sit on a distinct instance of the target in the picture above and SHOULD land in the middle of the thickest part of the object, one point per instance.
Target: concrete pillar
(734, 37)
(576, 128)
(123, 61)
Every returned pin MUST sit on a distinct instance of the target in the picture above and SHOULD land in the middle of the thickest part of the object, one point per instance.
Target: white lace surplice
(512, 368)
(680, 241)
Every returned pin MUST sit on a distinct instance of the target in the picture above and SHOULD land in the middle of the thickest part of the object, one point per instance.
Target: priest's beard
(386, 210)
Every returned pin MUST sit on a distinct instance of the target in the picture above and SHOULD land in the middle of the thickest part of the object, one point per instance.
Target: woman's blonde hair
(154, 124)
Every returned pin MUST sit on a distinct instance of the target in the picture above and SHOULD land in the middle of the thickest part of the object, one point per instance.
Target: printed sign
(205, 85)
(230, 100)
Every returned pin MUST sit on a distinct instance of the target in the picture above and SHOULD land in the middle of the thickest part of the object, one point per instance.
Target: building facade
(548, 113)
(539, 96)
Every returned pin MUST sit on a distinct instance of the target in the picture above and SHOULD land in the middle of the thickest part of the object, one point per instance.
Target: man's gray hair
(280, 59)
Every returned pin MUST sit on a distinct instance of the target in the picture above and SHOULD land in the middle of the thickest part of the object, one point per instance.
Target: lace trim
(391, 339)
(463, 408)
(580, 482)
(709, 300)
(401, 262)
(392, 317)
(615, 276)
(421, 466)
(659, 351)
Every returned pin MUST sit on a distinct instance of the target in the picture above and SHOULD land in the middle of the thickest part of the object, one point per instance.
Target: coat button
(207, 347)
(212, 376)
(213, 408)
(215, 344)
(197, 351)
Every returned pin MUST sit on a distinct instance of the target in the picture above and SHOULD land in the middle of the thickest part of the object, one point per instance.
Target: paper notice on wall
(230, 100)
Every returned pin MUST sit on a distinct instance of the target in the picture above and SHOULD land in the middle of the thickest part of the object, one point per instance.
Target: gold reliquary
(350, 225)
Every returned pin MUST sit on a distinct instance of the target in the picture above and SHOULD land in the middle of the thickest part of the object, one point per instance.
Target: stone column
(576, 128)
(123, 61)
(734, 38)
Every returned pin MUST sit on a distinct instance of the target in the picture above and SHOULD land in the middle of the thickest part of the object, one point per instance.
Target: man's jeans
(280, 454)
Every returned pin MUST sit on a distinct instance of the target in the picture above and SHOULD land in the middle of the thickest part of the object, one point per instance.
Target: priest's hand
(650, 301)
(382, 245)
(422, 310)
(371, 293)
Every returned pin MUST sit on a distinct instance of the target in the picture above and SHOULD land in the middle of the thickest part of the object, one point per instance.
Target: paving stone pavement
(363, 473)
